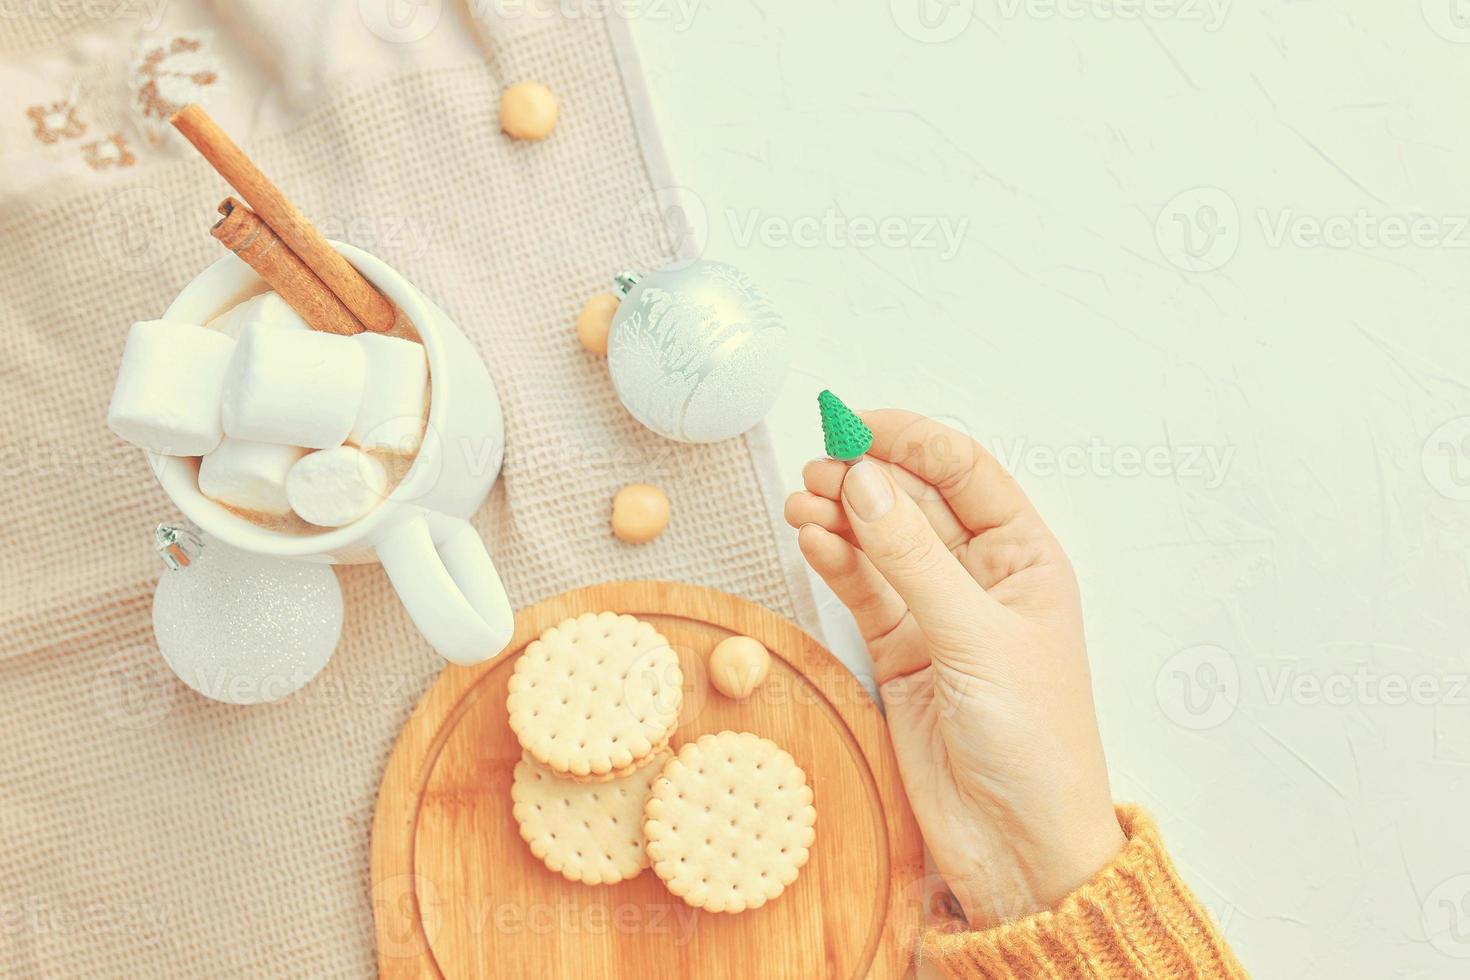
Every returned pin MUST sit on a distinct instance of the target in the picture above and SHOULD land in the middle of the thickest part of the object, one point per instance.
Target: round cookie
(729, 822)
(590, 832)
(595, 696)
(621, 771)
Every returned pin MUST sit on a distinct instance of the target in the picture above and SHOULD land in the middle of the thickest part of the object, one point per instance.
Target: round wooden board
(457, 893)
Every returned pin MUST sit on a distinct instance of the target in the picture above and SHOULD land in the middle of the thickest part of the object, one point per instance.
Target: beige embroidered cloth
(145, 831)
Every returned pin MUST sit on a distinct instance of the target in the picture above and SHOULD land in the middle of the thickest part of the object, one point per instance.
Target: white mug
(434, 558)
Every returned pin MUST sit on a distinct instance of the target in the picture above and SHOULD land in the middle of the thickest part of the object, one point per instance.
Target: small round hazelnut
(595, 322)
(640, 513)
(738, 666)
(528, 111)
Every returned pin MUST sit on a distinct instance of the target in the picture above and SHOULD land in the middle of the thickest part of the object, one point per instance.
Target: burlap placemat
(145, 831)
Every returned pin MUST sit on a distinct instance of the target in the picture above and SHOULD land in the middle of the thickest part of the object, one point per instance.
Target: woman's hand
(971, 613)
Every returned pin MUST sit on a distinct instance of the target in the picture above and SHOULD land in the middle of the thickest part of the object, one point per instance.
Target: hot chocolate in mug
(434, 558)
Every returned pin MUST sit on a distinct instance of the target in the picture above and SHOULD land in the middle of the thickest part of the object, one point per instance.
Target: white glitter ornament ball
(241, 628)
(697, 353)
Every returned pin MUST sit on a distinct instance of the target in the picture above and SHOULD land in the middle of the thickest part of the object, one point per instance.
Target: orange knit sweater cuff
(1135, 918)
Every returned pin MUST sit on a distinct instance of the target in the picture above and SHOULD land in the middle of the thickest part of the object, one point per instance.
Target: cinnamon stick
(371, 308)
(242, 232)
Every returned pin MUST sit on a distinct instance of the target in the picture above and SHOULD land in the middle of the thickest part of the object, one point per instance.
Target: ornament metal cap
(625, 281)
(177, 546)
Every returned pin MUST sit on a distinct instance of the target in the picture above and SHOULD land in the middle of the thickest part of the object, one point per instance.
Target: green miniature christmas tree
(846, 436)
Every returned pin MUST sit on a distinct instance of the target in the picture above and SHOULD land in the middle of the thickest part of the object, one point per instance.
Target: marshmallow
(249, 475)
(293, 387)
(335, 486)
(267, 307)
(167, 397)
(395, 398)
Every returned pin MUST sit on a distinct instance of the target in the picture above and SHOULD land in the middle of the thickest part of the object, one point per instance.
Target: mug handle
(451, 590)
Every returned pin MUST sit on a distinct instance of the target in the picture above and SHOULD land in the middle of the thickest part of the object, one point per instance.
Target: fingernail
(867, 491)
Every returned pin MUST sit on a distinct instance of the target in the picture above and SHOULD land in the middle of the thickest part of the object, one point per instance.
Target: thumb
(903, 546)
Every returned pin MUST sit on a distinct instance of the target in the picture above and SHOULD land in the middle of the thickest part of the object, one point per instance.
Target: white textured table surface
(1200, 271)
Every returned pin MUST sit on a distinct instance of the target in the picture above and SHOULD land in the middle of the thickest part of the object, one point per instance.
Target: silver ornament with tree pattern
(697, 353)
